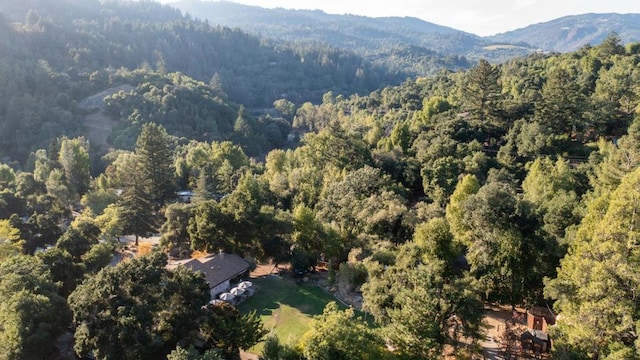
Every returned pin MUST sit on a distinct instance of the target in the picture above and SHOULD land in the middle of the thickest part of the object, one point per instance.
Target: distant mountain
(405, 44)
(55, 53)
(315, 25)
(569, 33)
(73, 10)
(431, 45)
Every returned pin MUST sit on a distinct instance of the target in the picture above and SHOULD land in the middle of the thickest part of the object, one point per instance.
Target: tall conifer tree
(482, 97)
(135, 203)
(156, 163)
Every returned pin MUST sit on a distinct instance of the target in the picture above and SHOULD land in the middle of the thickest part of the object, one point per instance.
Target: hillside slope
(338, 30)
(402, 44)
(374, 36)
(569, 33)
(52, 57)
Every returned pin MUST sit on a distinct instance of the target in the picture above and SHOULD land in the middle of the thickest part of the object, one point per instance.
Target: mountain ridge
(564, 34)
(569, 33)
(387, 39)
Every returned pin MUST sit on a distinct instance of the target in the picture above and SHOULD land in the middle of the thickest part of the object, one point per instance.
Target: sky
(480, 17)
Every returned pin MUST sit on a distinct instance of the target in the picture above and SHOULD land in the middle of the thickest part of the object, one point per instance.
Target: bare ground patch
(98, 127)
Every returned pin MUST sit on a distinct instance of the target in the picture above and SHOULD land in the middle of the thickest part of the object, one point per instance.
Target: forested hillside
(569, 33)
(409, 45)
(513, 184)
(52, 59)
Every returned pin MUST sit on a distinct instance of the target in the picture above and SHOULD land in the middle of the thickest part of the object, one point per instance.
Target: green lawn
(285, 307)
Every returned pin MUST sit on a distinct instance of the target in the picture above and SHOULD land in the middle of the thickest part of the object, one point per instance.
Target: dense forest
(407, 45)
(569, 33)
(52, 59)
(513, 183)
(412, 45)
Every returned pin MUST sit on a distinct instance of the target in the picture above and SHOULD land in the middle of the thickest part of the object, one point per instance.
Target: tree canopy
(513, 183)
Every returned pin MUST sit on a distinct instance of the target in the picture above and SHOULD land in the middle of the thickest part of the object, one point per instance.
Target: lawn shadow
(263, 300)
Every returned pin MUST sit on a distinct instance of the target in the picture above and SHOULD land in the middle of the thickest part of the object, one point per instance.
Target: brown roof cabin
(538, 318)
(219, 270)
(536, 338)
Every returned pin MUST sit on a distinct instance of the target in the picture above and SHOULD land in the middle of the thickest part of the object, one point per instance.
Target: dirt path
(494, 322)
(268, 269)
(97, 124)
(247, 356)
(98, 127)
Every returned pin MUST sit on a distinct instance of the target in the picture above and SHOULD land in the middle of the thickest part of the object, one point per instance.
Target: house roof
(543, 312)
(217, 268)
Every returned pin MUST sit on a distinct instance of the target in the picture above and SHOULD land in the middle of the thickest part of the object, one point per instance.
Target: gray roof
(216, 268)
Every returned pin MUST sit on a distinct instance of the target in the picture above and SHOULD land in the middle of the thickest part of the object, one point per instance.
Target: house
(537, 338)
(539, 318)
(185, 196)
(219, 270)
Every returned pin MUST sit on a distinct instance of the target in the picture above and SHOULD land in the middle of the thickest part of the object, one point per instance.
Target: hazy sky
(481, 17)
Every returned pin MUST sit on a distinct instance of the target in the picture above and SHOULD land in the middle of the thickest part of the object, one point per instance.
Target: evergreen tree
(423, 300)
(76, 241)
(562, 105)
(10, 242)
(205, 186)
(427, 307)
(616, 97)
(554, 191)
(175, 235)
(156, 163)
(611, 45)
(482, 96)
(136, 210)
(456, 209)
(597, 283)
(74, 158)
(217, 87)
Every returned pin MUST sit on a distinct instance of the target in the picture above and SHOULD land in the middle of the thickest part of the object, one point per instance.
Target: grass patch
(504, 47)
(285, 308)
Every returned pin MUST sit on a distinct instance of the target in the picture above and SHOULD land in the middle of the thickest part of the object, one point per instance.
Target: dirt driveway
(493, 319)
